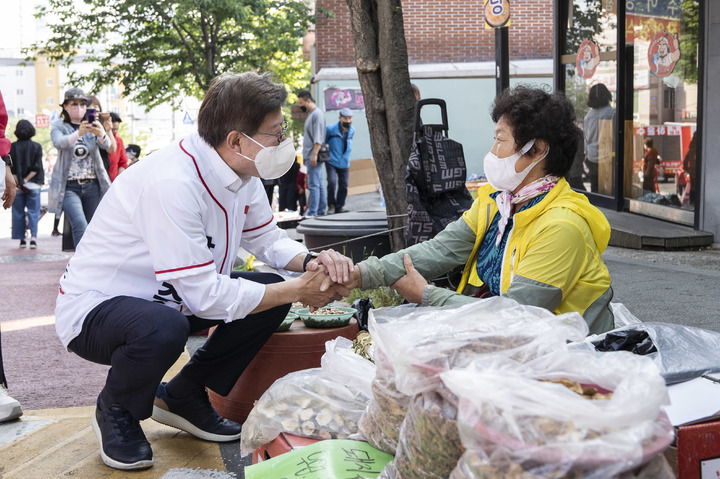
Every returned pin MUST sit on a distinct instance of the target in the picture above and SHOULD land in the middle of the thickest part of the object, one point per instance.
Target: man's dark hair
(599, 96)
(238, 102)
(305, 95)
(648, 142)
(24, 130)
(535, 114)
(135, 149)
(115, 118)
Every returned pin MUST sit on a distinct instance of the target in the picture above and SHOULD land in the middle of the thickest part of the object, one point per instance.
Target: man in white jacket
(155, 265)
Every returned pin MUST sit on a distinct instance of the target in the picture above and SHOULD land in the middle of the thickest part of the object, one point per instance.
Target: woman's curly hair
(535, 114)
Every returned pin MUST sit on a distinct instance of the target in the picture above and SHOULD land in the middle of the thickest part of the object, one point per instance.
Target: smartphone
(90, 115)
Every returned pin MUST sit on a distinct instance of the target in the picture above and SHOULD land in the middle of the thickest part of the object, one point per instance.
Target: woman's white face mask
(501, 173)
(272, 161)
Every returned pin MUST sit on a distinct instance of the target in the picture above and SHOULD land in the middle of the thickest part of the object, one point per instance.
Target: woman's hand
(412, 284)
(338, 266)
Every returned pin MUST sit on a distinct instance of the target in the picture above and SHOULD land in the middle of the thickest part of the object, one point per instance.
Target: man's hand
(9, 194)
(313, 160)
(337, 265)
(311, 290)
(412, 284)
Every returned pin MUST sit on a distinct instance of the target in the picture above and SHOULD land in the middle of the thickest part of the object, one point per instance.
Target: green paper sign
(331, 459)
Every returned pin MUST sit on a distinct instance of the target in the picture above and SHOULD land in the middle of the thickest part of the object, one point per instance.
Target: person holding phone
(105, 121)
(79, 178)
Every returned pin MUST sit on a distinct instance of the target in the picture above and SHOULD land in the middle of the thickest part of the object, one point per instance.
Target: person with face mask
(340, 138)
(528, 236)
(79, 177)
(155, 265)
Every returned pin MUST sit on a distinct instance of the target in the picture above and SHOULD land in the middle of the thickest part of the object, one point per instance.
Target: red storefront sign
(657, 130)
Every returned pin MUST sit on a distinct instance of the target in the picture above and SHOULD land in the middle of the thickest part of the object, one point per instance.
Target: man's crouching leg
(183, 402)
(140, 340)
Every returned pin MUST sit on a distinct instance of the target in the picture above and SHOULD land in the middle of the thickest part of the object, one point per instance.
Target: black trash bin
(356, 234)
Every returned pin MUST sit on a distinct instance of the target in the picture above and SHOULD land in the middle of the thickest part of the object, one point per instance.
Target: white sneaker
(9, 408)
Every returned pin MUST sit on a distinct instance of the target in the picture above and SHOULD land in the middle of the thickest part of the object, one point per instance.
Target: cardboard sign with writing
(331, 459)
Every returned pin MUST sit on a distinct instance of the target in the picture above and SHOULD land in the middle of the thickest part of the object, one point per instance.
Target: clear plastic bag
(324, 403)
(422, 342)
(683, 352)
(411, 346)
(516, 424)
(429, 445)
(384, 414)
(342, 365)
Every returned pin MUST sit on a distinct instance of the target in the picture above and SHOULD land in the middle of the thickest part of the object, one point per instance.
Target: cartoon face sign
(663, 53)
(588, 59)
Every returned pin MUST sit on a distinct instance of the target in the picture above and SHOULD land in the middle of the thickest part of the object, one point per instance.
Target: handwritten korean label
(331, 459)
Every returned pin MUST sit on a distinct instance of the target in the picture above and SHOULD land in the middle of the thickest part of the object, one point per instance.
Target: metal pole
(502, 60)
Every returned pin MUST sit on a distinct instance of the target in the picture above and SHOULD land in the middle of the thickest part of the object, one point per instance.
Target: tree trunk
(382, 65)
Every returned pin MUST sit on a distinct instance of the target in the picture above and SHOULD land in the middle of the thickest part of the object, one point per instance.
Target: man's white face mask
(273, 161)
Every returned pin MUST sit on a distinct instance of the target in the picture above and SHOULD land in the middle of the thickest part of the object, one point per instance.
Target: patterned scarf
(505, 200)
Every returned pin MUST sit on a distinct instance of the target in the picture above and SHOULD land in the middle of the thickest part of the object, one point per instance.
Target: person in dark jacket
(29, 176)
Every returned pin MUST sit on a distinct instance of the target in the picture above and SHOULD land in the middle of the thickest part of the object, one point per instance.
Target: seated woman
(528, 236)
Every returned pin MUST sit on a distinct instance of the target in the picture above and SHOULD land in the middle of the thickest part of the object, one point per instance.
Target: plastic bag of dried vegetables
(380, 423)
(411, 346)
(324, 402)
(429, 445)
(438, 339)
(563, 415)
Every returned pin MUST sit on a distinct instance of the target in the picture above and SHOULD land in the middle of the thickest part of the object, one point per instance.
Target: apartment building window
(18, 73)
(49, 82)
(50, 100)
(20, 91)
(20, 111)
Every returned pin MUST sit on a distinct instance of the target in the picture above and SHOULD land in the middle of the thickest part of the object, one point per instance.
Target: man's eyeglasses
(280, 135)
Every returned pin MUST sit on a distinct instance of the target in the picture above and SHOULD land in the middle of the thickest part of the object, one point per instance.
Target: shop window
(664, 36)
(590, 64)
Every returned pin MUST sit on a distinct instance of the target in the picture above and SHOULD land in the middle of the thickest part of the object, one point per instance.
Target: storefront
(638, 92)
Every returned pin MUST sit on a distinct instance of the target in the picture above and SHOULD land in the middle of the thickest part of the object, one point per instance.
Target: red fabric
(4, 142)
(118, 159)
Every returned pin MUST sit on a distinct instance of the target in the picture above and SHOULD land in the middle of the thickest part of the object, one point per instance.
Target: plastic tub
(357, 234)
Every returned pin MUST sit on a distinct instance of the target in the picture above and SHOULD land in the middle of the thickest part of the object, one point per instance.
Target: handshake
(331, 276)
(328, 277)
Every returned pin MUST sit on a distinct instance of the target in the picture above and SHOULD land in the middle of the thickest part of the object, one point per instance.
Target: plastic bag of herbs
(323, 403)
(411, 346)
(566, 415)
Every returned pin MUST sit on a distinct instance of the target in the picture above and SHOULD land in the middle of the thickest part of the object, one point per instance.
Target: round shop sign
(663, 54)
(497, 13)
(587, 59)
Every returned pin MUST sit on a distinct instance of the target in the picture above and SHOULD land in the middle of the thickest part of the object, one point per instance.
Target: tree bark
(382, 65)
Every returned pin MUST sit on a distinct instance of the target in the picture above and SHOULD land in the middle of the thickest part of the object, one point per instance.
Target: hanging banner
(42, 121)
(497, 14)
(587, 59)
(663, 53)
(339, 98)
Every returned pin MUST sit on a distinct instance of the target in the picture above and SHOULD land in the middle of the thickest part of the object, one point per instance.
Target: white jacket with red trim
(168, 231)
